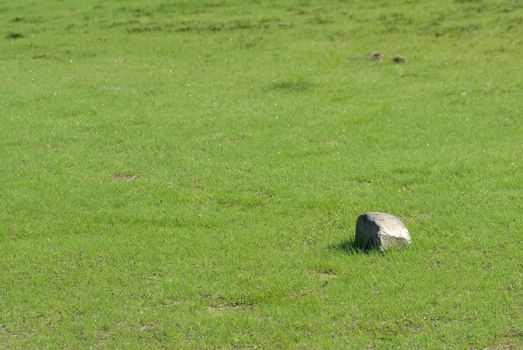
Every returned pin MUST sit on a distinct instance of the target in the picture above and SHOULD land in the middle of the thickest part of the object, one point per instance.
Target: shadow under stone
(349, 246)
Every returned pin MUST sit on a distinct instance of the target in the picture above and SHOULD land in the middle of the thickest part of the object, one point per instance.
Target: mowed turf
(188, 174)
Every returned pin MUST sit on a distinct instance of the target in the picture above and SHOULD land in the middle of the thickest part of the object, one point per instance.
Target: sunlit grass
(188, 174)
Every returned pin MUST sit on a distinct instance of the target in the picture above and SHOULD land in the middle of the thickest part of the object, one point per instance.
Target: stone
(381, 230)
(376, 56)
(399, 59)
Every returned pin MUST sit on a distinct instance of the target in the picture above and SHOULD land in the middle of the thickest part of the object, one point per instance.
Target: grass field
(188, 174)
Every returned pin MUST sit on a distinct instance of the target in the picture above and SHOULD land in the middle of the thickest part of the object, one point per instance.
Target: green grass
(188, 174)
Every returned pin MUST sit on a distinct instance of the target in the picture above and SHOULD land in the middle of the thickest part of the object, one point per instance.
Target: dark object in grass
(381, 231)
(376, 56)
(399, 59)
(14, 35)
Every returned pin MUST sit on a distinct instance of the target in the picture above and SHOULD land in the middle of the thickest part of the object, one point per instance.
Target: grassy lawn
(188, 174)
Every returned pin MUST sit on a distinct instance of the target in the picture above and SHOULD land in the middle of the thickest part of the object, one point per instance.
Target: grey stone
(381, 230)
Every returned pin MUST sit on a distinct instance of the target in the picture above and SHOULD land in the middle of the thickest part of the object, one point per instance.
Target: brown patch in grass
(500, 347)
(197, 183)
(3, 329)
(300, 294)
(103, 336)
(239, 137)
(324, 274)
(125, 176)
(230, 306)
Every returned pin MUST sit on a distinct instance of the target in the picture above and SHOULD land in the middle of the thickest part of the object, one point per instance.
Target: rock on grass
(381, 231)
